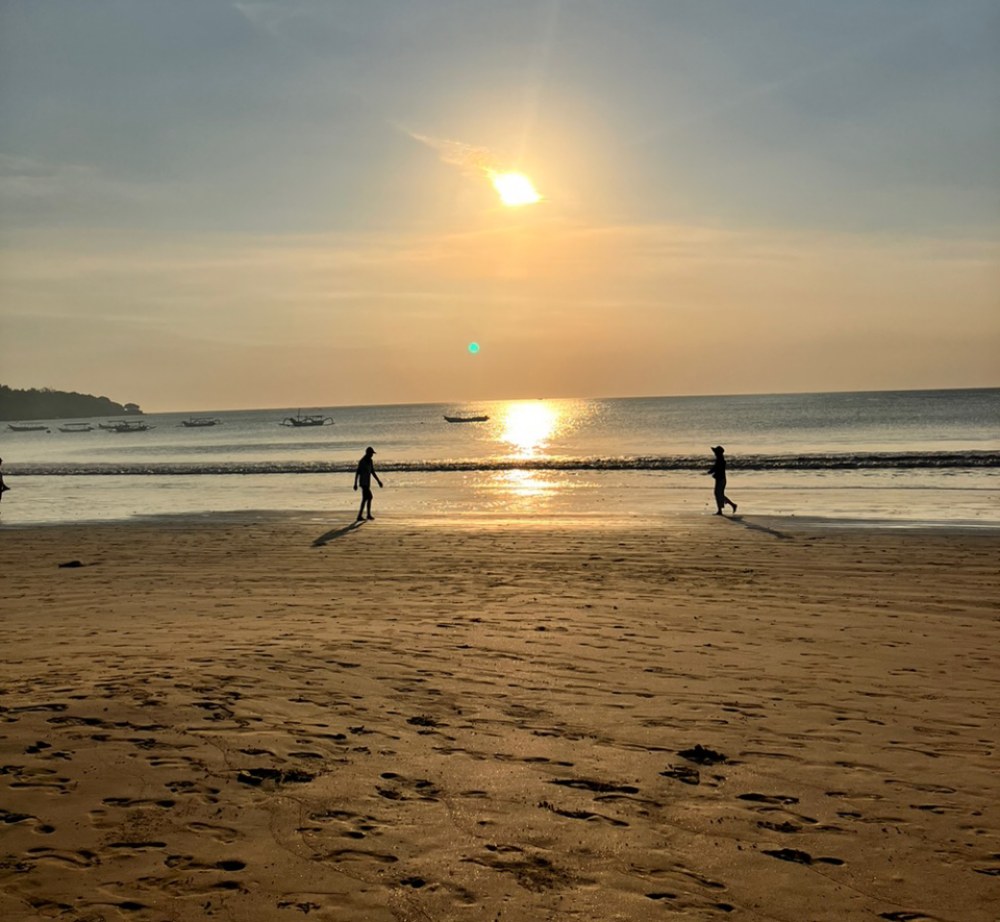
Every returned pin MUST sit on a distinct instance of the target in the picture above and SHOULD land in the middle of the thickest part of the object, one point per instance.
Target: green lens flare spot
(473, 348)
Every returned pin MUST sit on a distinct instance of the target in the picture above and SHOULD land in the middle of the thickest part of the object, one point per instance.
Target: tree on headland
(45, 403)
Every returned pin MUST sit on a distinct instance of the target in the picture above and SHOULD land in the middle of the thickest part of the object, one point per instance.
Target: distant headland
(45, 403)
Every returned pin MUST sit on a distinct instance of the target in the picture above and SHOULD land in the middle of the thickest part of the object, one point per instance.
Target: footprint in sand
(785, 827)
(906, 916)
(270, 778)
(779, 799)
(799, 857)
(78, 859)
(9, 818)
(358, 826)
(347, 854)
(702, 755)
(223, 834)
(194, 790)
(581, 814)
(164, 803)
(402, 788)
(683, 773)
(531, 871)
(598, 787)
(30, 708)
(43, 778)
(190, 863)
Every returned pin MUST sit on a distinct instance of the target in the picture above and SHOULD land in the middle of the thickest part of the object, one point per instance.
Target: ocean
(899, 457)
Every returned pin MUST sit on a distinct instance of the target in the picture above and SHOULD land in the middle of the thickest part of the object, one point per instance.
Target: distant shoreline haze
(454, 401)
(17, 405)
(45, 403)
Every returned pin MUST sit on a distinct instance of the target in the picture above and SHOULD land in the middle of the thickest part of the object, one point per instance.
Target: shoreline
(969, 499)
(561, 520)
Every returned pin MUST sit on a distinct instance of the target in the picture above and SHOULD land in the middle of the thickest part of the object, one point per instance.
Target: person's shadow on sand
(336, 533)
(753, 526)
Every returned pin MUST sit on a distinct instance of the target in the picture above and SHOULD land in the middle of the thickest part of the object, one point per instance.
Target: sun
(514, 189)
(528, 426)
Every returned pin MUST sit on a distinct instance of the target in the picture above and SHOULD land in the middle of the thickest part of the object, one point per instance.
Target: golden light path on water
(526, 484)
(528, 428)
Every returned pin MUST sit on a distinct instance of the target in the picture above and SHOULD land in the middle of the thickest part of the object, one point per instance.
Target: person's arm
(356, 473)
(379, 482)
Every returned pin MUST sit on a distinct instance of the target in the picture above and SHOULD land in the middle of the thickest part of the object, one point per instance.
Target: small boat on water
(200, 422)
(76, 427)
(315, 419)
(127, 425)
(466, 419)
(27, 427)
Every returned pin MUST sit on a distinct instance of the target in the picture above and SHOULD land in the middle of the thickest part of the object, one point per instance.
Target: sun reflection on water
(528, 429)
(525, 484)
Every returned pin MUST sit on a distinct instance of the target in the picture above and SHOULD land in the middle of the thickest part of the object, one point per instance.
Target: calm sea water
(928, 456)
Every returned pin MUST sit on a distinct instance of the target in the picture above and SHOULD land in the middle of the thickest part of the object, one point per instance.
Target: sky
(225, 204)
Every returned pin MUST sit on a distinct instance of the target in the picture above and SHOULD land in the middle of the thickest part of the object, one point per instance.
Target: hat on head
(369, 450)
(718, 449)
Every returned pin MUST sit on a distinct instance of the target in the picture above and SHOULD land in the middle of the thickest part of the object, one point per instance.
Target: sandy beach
(267, 718)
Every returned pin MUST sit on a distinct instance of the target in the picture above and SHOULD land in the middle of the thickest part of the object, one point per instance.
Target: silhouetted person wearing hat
(363, 475)
(718, 471)
(3, 487)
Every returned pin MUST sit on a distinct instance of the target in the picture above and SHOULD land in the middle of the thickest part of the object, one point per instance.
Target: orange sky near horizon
(557, 311)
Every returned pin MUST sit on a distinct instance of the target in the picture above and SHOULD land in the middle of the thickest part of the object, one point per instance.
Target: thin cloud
(513, 187)
(265, 16)
(465, 156)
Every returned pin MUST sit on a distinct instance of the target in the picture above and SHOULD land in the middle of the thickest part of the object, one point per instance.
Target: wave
(943, 460)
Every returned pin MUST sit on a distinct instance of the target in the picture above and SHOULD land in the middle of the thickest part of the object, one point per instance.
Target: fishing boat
(315, 419)
(466, 419)
(76, 427)
(200, 422)
(27, 427)
(129, 426)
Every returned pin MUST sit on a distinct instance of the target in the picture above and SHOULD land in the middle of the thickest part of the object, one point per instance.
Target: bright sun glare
(514, 189)
(527, 426)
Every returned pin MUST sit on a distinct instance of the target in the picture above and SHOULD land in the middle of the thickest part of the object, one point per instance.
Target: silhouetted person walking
(363, 475)
(3, 487)
(718, 471)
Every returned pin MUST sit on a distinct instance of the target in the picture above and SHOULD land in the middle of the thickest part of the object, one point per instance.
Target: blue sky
(210, 204)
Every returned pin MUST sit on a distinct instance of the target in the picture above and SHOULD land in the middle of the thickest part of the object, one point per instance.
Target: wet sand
(265, 718)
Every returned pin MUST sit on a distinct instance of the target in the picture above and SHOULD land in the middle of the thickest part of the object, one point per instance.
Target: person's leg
(720, 498)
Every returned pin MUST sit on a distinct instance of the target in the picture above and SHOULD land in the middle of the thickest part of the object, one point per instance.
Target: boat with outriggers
(27, 427)
(76, 427)
(128, 425)
(200, 422)
(466, 419)
(310, 419)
